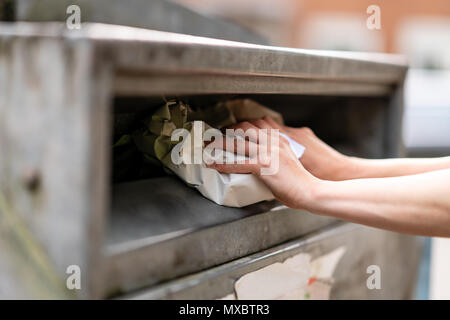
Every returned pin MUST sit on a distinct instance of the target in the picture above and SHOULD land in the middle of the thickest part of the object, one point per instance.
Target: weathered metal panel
(57, 88)
(397, 256)
(180, 232)
(53, 145)
(134, 50)
(171, 84)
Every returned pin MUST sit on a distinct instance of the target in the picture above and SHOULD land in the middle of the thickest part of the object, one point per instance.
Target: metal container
(60, 90)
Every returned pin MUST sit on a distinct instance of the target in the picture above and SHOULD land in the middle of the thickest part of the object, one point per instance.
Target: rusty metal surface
(54, 135)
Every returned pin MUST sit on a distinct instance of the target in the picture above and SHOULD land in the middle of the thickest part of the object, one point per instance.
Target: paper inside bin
(234, 190)
(229, 189)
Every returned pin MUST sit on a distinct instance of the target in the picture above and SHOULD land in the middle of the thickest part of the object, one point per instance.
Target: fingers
(272, 123)
(236, 145)
(246, 167)
(270, 127)
(261, 131)
(284, 129)
(255, 130)
(269, 124)
(262, 124)
(244, 129)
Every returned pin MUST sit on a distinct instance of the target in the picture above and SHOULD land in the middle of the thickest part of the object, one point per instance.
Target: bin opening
(154, 213)
(352, 125)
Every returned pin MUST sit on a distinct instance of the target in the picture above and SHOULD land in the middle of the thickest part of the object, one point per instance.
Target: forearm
(416, 204)
(357, 168)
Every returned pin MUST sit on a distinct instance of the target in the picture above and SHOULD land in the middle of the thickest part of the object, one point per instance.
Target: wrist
(321, 193)
(355, 168)
(342, 168)
(348, 168)
(311, 192)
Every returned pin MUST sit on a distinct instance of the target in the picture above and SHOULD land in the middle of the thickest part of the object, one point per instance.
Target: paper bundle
(156, 141)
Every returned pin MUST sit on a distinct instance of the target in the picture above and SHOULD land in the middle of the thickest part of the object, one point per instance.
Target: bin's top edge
(99, 32)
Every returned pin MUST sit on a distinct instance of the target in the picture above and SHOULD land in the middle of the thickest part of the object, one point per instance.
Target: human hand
(319, 159)
(290, 183)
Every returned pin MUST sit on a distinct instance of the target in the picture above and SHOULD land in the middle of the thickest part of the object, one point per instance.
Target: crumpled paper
(234, 190)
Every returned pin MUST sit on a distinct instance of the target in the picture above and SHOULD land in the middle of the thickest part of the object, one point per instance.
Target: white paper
(228, 189)
(296, 147)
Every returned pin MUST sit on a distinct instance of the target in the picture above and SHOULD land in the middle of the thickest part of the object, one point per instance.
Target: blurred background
(419, 29)
(416, 28)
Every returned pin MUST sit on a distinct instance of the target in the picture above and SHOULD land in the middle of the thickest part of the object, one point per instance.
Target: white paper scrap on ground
(276, 281)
